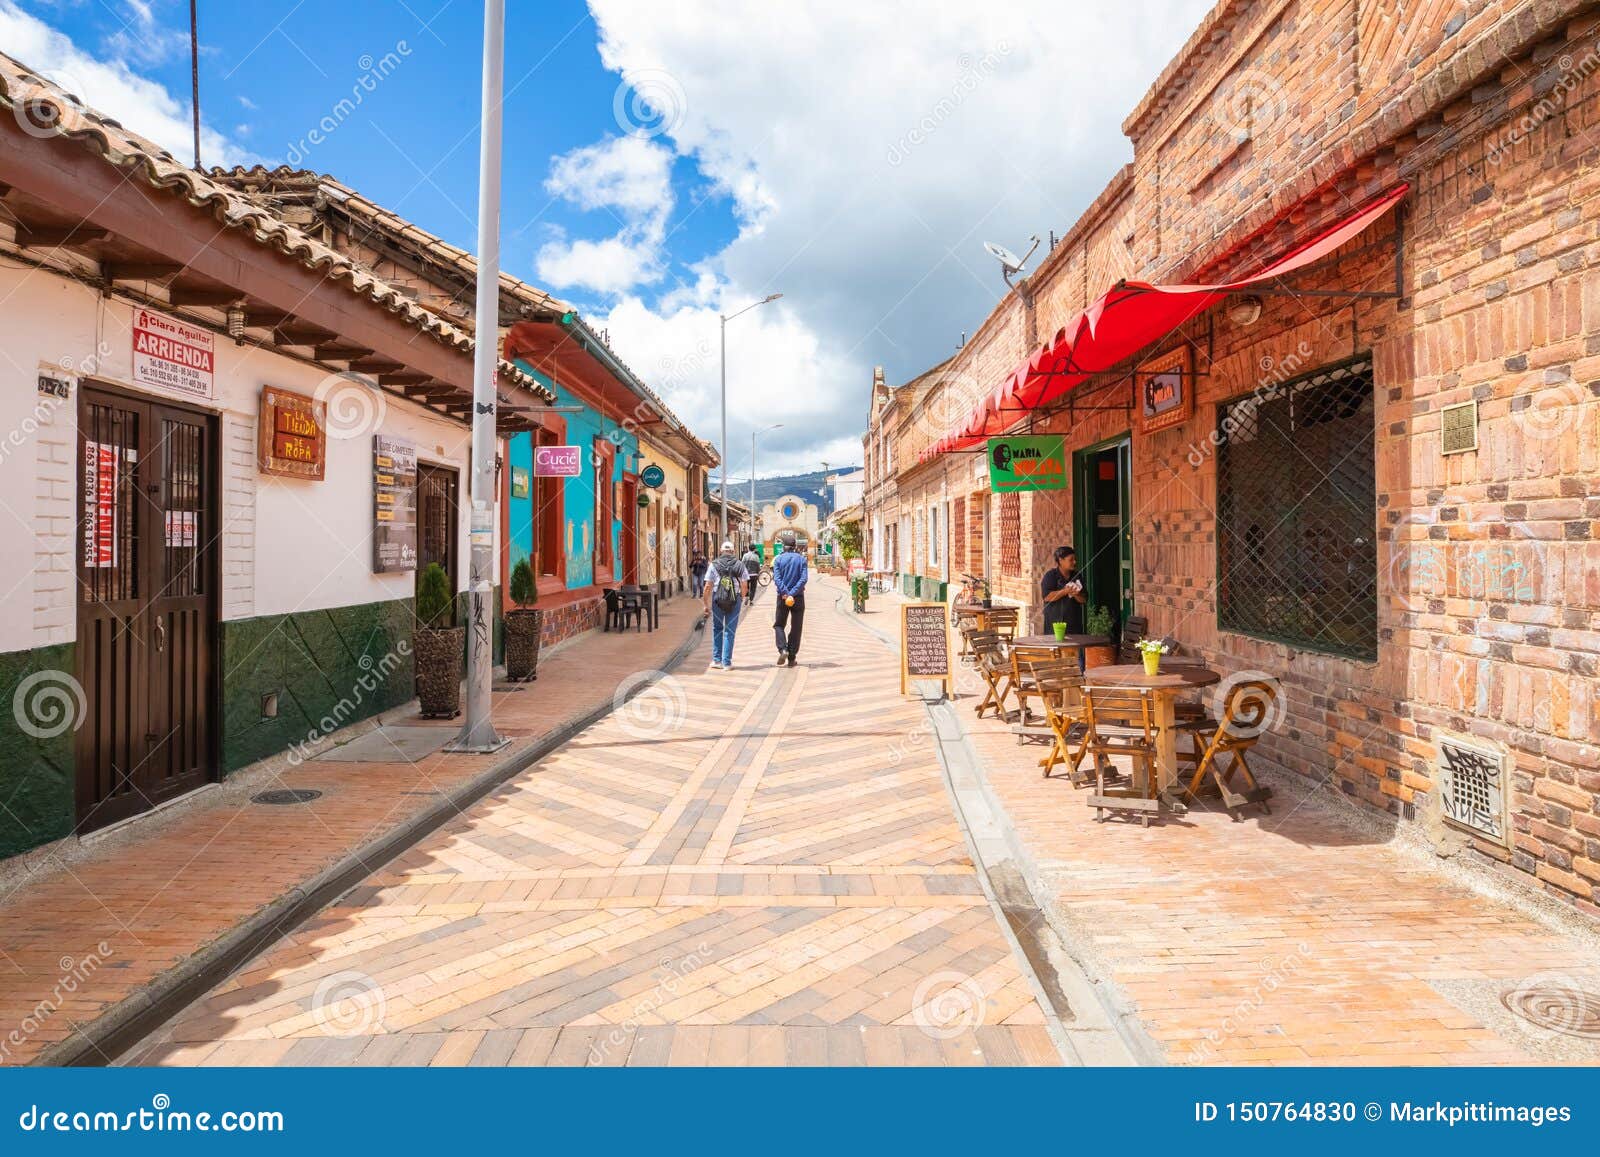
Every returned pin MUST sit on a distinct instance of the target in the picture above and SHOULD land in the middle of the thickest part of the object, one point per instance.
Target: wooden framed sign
(1166, 391)
(394, 505)
(292, 434)
(924, 644)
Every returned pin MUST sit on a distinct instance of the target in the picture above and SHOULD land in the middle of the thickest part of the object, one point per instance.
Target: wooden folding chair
(990, 661)
(1002, 620)
(1245, 711)
(1121, 721)
(1060, 689)
(1021, 685)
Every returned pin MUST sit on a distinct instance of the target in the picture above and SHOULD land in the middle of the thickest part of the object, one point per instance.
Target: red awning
(1127, 318)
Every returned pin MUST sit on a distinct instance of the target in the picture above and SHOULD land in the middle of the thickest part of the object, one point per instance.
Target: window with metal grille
(958, 532)
(1011, 534)
(1297, 512)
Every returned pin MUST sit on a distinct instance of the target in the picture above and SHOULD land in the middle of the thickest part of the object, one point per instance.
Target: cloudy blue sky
(669, 161)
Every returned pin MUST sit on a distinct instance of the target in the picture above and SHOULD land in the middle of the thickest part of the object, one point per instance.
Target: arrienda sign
(557, 461)
(1035, 462)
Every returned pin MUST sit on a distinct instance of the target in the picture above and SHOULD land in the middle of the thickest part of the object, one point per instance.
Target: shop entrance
(437, 489)
(147, 609)
(1101, 525)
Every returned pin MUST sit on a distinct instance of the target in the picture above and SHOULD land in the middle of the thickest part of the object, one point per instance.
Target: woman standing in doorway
(1062, 588)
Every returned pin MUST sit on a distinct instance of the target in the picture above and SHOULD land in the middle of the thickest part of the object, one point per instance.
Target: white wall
(287, 544)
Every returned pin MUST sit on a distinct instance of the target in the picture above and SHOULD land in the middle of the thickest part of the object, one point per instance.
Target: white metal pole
(753, 523)
(477, 728)
(724, 360)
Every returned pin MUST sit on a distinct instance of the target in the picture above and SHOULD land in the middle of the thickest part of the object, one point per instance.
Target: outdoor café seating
(1022, 686)
(1121, 721)
(1245, 711)
(1059, 683)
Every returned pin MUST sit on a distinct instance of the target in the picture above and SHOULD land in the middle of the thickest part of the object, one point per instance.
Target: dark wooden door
(436, 518)
(146, 605)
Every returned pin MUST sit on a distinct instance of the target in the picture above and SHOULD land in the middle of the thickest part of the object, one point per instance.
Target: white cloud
(112, 87)
(869, 150)
(142, 37)
(629, 179)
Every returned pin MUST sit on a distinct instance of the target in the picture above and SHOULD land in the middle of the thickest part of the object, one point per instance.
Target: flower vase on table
(1151, 650)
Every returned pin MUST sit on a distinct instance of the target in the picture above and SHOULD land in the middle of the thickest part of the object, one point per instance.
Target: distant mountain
(808, 487)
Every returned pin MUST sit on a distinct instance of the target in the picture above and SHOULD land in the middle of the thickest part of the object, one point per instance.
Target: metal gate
(146, 604)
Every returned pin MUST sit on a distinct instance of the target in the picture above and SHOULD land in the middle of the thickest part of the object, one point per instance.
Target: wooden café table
(1175, 679)
(1066, 642)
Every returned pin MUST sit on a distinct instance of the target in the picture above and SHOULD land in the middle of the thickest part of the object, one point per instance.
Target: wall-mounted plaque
(394, 505)
(1166, 391)
(520, 487)
(291, 435)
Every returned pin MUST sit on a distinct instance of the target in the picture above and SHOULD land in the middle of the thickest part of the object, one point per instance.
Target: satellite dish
(1009, 260)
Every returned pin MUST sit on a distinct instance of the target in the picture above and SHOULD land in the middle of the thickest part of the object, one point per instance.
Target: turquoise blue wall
(583, 428)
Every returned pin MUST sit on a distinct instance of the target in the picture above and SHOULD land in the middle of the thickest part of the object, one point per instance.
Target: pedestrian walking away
(724, 586)
(752, 568)
(789, 576)
(697, 570)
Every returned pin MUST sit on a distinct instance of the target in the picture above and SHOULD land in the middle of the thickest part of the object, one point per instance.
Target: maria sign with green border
(1031, 462)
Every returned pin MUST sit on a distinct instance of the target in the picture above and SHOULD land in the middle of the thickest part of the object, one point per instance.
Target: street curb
(113, 1033)
(1120, 1039)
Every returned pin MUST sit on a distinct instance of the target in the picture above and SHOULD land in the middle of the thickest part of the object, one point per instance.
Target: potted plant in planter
(859, 588)
(1098, 622)
(1151, 650)
(523, 626)
(438, 646)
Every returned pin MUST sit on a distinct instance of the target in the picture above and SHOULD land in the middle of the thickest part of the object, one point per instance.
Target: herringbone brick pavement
(758, 866)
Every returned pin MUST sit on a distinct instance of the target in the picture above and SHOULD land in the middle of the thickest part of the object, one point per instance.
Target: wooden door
(146, 605)
(437, 490)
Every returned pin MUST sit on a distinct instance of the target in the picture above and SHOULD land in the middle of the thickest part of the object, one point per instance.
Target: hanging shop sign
(291, 435)
(173, 355)
(520, 484)
(394, 505)
(1030, 462)
(652, 476)
(100, 470)
(557, 461)
(1166, 391)
(643, 500)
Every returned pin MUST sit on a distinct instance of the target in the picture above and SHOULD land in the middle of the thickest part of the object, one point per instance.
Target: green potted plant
(439, 646)
(859, 589)
(1098, 622)
(523, 626)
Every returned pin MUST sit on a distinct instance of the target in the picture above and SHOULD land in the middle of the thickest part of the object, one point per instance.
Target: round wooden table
(1078, 641)
(1173, 680)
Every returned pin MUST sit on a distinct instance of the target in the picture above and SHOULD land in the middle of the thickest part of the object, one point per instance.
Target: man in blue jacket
(789, 613)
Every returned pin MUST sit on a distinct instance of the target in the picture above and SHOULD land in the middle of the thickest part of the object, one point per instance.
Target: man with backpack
(789, 607)
(752, 570)
(724, 595)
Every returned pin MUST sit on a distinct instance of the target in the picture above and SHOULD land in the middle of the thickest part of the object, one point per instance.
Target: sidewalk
(1308, 936)
(80, 939)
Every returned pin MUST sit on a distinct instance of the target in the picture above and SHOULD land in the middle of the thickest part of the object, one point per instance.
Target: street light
(754, 521)
(723, 358)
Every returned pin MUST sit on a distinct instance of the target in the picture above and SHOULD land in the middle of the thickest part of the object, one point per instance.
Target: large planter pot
(438, 657)
(522, 645)
(1099, 655)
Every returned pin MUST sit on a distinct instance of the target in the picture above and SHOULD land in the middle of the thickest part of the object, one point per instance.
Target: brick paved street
(752, 867)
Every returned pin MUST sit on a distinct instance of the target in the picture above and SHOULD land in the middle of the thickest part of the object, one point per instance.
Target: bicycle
(972, 590)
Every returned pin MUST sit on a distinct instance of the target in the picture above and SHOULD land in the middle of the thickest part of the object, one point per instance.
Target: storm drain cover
(284, 795)
(1570, 1011)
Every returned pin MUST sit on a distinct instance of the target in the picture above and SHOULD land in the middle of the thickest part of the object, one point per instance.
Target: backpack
(725, 596)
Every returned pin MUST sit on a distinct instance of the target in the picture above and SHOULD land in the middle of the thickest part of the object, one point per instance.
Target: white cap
(727, 548)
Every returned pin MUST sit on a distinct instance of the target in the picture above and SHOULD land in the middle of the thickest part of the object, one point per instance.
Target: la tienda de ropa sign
(557, 461)
(1029, 462)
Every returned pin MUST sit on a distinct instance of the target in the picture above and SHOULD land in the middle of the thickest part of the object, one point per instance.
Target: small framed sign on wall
(1166, 391)
(292, 434)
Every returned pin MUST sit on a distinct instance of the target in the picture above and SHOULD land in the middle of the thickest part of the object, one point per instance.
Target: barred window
(958, 532)
(1011, 534)
(1297, 513)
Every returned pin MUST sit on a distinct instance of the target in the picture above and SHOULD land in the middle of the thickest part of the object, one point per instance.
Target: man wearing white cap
(724, 595)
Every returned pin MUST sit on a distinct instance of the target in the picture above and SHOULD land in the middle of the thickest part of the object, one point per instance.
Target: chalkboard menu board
(394, 505)
(924, 643)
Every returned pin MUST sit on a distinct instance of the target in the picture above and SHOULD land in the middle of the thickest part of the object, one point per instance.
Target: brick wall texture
(1278, 117)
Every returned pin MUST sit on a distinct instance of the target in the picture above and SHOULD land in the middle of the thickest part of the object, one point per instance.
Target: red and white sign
(99, 504)
(173, 355)
(557, 461)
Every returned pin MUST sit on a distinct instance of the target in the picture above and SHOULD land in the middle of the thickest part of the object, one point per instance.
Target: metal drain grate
(285, 795)
(1569, 1011)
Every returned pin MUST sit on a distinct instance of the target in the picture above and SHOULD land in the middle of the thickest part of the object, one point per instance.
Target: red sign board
(100, 499)
(557, 461)
(173, 355)
(292, 434)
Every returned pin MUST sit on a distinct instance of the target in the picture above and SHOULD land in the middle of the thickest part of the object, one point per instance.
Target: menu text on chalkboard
(924, 643)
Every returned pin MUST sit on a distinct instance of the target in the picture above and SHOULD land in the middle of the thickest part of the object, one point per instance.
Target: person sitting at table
(1062, 588)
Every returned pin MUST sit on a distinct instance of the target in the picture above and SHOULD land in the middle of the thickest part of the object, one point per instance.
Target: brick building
(1377, 477)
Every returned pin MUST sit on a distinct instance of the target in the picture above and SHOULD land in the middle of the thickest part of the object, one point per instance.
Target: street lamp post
(755, 522)
(725, 319)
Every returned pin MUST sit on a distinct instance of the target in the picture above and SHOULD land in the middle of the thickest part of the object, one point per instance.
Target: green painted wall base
(36, 766)
(329, 669)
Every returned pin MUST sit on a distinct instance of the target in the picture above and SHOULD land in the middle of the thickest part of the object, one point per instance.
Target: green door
(1102, 516)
